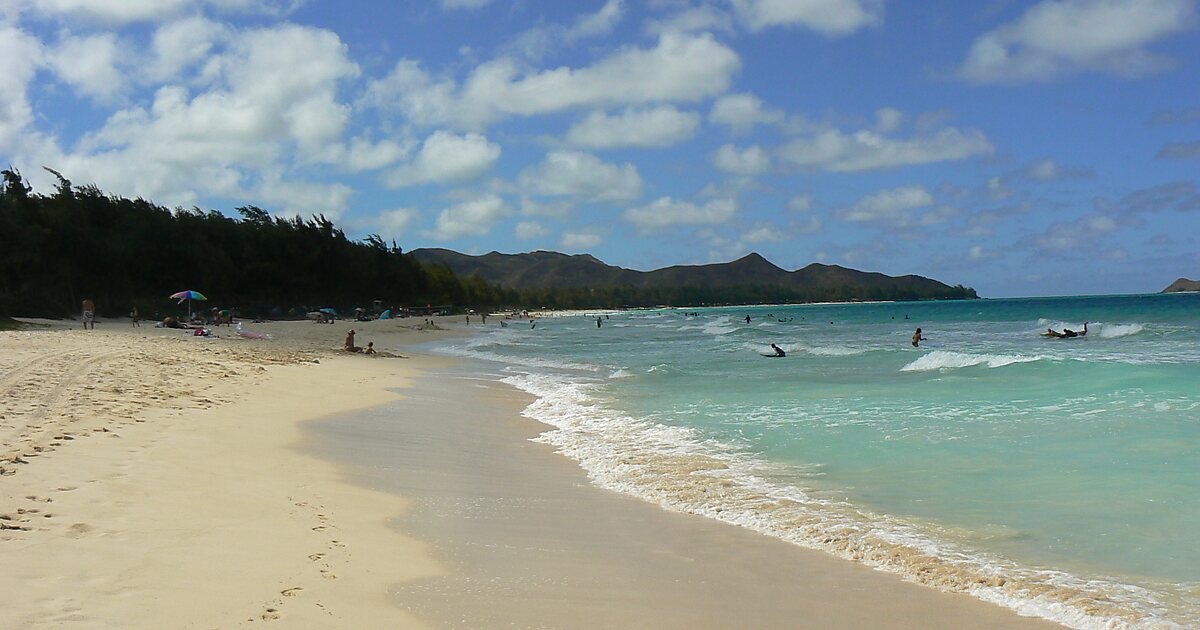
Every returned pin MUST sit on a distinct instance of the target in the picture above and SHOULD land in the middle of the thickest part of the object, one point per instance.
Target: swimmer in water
(918, 338)
(778, 351)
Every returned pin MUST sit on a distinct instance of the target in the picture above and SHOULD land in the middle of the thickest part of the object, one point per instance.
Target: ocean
(1057, 477)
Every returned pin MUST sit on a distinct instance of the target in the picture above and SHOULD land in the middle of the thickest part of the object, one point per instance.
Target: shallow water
(1060, 477)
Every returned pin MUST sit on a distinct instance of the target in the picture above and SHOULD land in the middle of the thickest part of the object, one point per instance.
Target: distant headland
(1183, 284)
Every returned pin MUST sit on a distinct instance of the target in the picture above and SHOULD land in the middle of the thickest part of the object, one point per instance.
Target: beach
(153, 479)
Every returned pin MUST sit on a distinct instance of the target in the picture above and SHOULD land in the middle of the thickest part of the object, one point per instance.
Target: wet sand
(528, 542)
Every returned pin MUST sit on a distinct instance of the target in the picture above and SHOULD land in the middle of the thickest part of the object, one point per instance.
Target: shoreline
(534, 542)
(175, 481)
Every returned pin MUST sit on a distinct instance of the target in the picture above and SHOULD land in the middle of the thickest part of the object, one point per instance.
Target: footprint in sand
(291, 592)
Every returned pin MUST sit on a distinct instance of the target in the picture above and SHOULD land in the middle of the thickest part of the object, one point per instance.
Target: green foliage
(56, 250)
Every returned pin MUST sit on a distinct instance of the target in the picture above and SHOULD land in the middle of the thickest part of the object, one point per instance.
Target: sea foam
(946, 360)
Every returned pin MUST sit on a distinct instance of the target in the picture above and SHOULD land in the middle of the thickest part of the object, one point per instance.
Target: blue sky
(1020, 147)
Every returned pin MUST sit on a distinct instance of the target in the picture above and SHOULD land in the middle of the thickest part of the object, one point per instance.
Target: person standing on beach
(917, 338)
(135, 317)
(89, 313)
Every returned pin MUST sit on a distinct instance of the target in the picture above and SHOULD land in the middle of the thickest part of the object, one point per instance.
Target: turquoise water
(1060, 477)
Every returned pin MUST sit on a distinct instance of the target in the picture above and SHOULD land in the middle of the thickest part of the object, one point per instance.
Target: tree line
(58, 249)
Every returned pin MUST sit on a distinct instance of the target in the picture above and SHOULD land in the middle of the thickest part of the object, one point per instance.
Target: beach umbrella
(189, 296)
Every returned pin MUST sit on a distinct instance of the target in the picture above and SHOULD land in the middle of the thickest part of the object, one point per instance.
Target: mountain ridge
(725, 282)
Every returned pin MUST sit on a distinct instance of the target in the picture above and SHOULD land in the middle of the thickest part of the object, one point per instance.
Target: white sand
(152, 480)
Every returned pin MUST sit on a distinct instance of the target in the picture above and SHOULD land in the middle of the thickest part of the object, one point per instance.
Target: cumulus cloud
(1061, 37)
(680, 68)
(692, 19)
(582, 176)
(864, 150)
(20, 54)
(752, 160)
(234, 136)
(764, 233)
(390, 224)
(741, 112)
(800, 203)
(89, 64)
(828, 17)
(892, 208)
(660, 126)
(182, 44)
(128, 11)
(464, 4)
(447, 158)
(665, 212)
(527, 230)
(474, 217)
(576, 241)
(538, 41)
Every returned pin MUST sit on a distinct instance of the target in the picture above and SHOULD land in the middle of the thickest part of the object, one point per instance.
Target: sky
(1042, 147)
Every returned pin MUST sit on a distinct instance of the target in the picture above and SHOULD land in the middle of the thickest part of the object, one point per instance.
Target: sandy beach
(151, 479)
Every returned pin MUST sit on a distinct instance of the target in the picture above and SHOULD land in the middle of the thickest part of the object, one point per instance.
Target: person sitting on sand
(778, 351)
(350, 347)
(917, 338)
(370, 351)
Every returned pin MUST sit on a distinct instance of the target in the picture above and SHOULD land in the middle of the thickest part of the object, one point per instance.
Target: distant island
(583, 280)
(1183, 284)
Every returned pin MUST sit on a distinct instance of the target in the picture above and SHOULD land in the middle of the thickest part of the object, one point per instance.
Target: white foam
(676, 468)
(947, 360)
(1112, 331)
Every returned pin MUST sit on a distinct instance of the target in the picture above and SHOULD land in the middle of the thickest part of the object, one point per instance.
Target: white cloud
(553, 209)
(764, 233)
(298, 197)
(1063, 37)
(537, 42)
(741, 112)
(89, 64)
(20, 54)
(474, 217)
(752, 160)
(665, 211)
(582, 176)
(1048, 171)
(464, 4)
(833, 150)
(528, 230)
(660, 126)
(127, 11)
(257, 110)
(181, 44)
(365, 155)
(828, 17)
(888, 207)
(682, 68)
(690, 20)
(576, 241)
(888, 119)
(800, 203)
(391, 224)
(601, 22)
(448, 158)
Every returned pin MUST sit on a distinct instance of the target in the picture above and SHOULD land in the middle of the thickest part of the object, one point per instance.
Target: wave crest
(946, 360)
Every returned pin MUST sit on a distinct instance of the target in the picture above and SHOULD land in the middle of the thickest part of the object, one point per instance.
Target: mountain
(744, 280)
(1183, 284)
